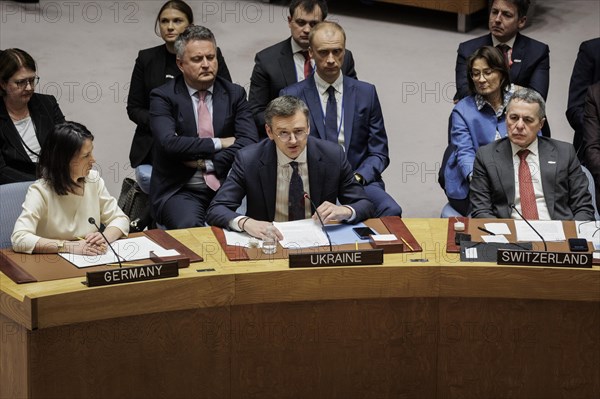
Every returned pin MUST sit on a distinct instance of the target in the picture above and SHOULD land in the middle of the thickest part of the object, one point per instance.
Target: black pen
(486, 231)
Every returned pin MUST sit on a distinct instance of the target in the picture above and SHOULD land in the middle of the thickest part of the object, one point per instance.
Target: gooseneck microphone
(320, 219)
(532, 228)
(93, 221)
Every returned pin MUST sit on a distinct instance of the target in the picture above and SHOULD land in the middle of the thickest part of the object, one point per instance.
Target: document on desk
(551, 230)
(129, 249)
(304, 233)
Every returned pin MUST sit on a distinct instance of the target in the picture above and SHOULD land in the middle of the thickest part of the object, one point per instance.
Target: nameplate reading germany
(337, 258)
(131, 274)
(542, 258)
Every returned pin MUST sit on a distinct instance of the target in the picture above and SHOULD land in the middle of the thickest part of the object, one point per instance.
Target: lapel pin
(552, 162)
(516, 60)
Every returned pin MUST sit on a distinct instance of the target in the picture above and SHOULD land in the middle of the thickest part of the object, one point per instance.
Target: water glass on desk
(269, 244)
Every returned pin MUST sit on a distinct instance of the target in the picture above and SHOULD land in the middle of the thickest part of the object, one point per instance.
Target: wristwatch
(359, 179)
(201, 163)
(60, 247)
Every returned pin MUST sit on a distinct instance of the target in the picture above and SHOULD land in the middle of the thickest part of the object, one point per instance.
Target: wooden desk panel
(439, 328)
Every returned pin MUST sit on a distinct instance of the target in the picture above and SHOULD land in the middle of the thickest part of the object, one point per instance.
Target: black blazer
(176, 136)
(591, 135)
(586, 72)
(148, 74)
(15, 164)
(254, 175)
(530, 68)
(274, 70)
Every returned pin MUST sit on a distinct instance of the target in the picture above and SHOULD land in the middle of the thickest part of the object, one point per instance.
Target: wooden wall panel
(335, 349)
(13, 359)
(518, 349)
(174, 354)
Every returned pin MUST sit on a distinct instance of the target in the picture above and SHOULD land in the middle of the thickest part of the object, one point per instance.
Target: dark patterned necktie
(505, 48)
(296, 195)
(331, 116)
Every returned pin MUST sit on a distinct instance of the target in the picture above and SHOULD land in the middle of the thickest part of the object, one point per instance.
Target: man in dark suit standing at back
(537, 175)
(346, 111)
(528, 59)
(199, 121)
(275, 174)
(287, 62)
(586, 72)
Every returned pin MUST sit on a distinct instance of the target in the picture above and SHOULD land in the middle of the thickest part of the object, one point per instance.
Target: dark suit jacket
(591, 135)
(586, 72)
(564, 183)
(148, 74)
(15, 164)
(254, 175)
(176, 136)
(533, 71)
(274, 69)
(365, 138)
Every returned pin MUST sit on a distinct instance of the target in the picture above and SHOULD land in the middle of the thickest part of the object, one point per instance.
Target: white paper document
(129, 249)
(497, 238)
(297, 234)
(551, 230)
(497, 228)
(301, 234)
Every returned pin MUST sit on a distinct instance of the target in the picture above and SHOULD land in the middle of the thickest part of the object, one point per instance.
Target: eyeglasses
(486, 74)
(286, 136)
(22, 83)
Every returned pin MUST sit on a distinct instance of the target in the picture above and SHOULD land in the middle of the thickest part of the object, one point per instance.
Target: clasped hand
(332, 213)
(92, 244)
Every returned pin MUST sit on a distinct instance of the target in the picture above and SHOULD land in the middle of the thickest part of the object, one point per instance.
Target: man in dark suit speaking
(199, 121)
(288, 62)
(540, 176)
(346, 111)
(274, 175)
(528, 59)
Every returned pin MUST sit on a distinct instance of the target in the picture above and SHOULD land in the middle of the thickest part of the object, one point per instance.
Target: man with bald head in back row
(346, 111)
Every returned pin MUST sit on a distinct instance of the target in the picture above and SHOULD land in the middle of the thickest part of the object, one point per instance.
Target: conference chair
(12, 197)
(592, 188)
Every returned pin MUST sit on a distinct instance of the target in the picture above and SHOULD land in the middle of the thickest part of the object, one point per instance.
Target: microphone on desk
(320, 219)
(91, 220)
(532, 228)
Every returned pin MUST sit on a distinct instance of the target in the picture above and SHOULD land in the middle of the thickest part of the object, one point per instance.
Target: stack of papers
(128, 249)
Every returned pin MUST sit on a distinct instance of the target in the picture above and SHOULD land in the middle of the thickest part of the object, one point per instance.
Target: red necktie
(307, 65)
(528, 205)
(205, 130)
(505, 48)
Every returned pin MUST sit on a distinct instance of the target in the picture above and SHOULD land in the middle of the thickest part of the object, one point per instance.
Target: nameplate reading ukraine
(337, 258)
(131, 274)
(543, 258)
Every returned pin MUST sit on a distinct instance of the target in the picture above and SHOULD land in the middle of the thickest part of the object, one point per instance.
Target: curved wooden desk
(440, 328)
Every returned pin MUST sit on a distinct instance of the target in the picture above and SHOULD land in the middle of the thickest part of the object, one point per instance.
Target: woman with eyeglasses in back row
(26, 118)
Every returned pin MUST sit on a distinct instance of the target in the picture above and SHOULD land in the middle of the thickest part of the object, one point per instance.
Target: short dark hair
(63, 143)
(529, 96)
(192, 33)
(11, 60)
(325, 25)
(284, 106)
(522, 6)
(495, 60)
(178, 5)
(309, 5)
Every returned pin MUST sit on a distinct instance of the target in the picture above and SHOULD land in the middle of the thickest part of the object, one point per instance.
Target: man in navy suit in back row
(288, 61)
(346, 111)
(199, 121)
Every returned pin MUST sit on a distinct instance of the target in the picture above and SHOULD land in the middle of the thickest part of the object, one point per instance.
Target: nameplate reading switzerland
(131, 274)
(542, 258)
